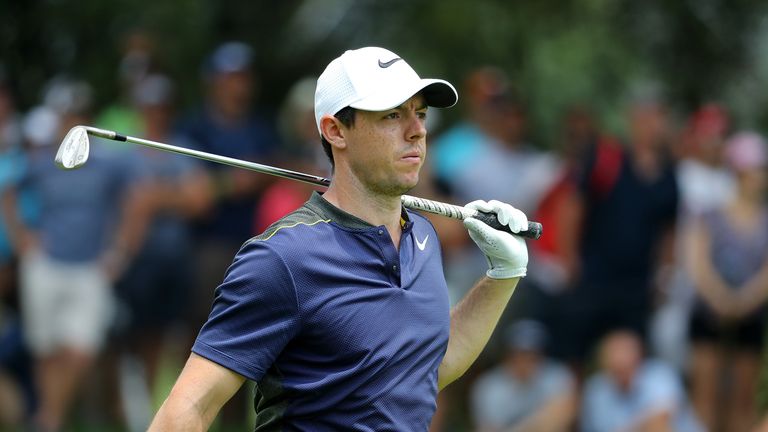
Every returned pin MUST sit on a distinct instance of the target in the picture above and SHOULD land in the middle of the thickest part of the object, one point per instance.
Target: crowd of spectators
(643, 309)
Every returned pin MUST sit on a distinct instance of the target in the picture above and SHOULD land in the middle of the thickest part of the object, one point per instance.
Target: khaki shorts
(64, 305)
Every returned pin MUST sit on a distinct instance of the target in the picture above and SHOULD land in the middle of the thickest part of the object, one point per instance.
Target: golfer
(339, 311)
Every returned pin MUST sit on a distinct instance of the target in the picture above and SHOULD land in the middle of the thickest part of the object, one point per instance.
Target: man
(633, 393)
(339, 311)
(525, 391)
(88, 228)
(227, 124)
(622, 225)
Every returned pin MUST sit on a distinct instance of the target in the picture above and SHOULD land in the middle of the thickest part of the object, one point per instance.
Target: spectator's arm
(189, 196)
(237, 183)
(570, 220)
(134, 219)
(22, 238)
(663, 399)
(708, 282)
(660, 421)
(665, 261)
(754, 293)
(201, 390)
(557, 415)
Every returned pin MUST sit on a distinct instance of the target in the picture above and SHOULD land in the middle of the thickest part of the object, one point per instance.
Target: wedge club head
(73, 152)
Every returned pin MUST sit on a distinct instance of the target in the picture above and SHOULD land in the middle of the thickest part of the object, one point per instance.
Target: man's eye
(393, 115)
(422, 115)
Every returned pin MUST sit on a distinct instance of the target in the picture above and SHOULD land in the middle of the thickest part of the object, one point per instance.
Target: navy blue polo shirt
(340, 330)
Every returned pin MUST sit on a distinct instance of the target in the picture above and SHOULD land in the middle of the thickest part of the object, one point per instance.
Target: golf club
(74, 150)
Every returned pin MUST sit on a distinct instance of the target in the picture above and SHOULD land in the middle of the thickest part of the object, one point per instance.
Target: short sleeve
(662, 389)
(489, 402)
(254, 314)
(557, 380)
(13, 169)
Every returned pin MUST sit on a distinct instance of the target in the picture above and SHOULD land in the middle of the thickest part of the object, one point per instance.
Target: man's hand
(507, 254)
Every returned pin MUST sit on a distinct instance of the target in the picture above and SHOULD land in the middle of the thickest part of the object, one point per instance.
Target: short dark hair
(346, 116)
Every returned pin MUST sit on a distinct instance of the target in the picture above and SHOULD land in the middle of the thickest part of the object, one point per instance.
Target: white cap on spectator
(40, 126)
(375, 79)
(746, 150)
(229, 57)
(67, 96)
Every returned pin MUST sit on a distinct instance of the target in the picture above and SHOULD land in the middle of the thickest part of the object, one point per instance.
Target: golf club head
(73, 152)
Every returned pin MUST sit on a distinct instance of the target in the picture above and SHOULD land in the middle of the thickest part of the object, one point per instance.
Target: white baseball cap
(375, 79)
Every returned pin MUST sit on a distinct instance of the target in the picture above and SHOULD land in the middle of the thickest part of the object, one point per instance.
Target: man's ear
(333, 131)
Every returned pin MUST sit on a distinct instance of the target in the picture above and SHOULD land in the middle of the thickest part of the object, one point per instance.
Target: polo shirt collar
(326, 210)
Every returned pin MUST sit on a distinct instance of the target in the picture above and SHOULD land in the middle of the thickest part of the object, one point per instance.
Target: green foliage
(558, 52)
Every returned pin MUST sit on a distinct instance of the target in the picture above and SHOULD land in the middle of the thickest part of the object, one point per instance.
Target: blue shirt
(79, 209)
(624, 221)
(654, 389)
(340, 330)
(252, 138)
(13, 166)
(168, 234)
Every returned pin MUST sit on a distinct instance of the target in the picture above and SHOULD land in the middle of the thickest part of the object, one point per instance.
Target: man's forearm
(472, 323)
(174, 416)
(202, 389)
(555, 416)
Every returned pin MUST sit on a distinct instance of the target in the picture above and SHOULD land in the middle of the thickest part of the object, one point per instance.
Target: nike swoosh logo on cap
(421, 244)
(385, 65)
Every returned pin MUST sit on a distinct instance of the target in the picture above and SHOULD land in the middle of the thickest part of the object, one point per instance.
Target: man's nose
(416, 128)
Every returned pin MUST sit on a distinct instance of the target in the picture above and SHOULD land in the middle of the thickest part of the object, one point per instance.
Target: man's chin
(398, 189)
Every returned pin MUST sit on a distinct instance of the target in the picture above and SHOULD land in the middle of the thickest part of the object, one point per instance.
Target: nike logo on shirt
(421, 244)
(385, 65)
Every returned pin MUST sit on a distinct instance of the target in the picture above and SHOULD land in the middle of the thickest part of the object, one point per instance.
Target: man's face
(386, 149)
(232, 92)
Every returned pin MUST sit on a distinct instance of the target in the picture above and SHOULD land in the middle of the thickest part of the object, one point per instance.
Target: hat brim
(437, 93)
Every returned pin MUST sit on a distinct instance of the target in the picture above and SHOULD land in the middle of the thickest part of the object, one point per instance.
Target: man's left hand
(507, 254)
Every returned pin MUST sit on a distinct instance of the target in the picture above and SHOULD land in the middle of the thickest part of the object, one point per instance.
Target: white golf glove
(507, 254)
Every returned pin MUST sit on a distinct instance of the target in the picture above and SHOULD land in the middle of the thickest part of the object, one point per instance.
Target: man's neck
(355, 199)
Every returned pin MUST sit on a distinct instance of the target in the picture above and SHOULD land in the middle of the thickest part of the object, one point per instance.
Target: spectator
(629, 393)
(526, 392)
(486, 156)
(628, 201)
(492, 139)
(728, 264)
(705, 184)
(137, 61)
(554, 256)
(16, 388)
(11, 166)
(227, 125)
(67, 259)
(171, 190)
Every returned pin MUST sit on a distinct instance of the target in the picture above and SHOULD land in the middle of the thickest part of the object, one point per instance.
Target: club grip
(534, 228)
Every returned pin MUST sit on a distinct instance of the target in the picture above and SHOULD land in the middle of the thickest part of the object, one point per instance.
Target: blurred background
(633, 130)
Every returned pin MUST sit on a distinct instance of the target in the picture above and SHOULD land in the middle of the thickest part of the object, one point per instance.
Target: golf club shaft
(414, 203)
